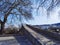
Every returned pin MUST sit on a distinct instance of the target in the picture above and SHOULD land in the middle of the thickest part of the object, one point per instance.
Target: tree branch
(41, 4)
(9, 10)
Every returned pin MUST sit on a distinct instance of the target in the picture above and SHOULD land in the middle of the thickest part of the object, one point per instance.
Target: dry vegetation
(11, 30)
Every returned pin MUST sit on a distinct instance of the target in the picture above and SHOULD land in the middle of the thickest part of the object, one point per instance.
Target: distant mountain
(57, 24)
(46, 26)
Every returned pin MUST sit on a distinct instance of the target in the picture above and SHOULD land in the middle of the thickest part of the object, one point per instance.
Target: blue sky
(40, 15)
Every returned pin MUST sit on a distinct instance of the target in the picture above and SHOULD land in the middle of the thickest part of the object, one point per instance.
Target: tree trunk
(2, 28)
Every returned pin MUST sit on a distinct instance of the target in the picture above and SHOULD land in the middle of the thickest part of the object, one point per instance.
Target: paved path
(42, 39)
(14, 40)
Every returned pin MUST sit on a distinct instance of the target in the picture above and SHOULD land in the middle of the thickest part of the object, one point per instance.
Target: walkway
(42, 39)
(14, 40)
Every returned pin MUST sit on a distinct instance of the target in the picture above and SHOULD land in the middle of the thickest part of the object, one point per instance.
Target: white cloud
(41, 17)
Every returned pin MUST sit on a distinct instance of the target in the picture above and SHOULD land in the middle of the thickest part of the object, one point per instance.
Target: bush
(10, 31)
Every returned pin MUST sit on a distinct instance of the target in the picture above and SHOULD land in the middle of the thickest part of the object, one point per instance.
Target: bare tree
(7, 7)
